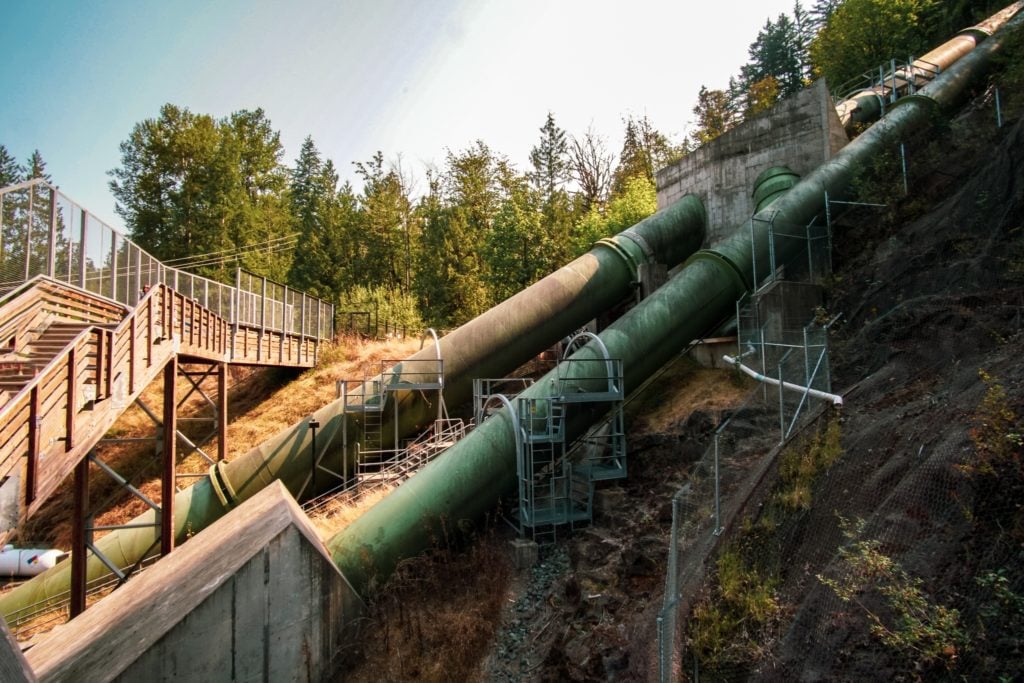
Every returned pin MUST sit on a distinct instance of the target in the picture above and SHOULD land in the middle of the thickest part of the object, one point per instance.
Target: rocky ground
(931, 291)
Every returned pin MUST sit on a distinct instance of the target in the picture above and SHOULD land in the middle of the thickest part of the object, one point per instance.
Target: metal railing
(43, 232)
(890, 81)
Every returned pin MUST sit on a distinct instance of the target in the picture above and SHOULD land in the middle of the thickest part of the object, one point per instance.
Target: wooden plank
(19, 445)
(15, 420)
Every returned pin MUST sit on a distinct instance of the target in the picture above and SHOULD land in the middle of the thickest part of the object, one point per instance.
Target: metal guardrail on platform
(43, 232)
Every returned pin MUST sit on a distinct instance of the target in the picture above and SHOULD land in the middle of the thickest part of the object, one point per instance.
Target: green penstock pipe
(867, 105)
(491, 345)
(467, 481)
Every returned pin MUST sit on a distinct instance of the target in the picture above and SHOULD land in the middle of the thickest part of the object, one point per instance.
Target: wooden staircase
(72, 361)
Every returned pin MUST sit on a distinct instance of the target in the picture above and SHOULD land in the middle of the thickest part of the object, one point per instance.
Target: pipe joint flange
(915, 98)
(723, 263)
(222, 486)
(641, 241)
(630, 260)
(979, 33)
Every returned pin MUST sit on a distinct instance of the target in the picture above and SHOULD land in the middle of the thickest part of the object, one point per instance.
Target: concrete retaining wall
(253, 597)
(800, 132)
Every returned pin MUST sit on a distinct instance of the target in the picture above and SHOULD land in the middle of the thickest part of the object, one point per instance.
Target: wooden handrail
(48, 427)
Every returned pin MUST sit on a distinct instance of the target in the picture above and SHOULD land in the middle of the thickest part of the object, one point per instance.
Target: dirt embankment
(932, 291)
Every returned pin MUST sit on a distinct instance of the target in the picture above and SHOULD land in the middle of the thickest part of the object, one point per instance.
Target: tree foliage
(715, 115)
(779, 53)
(860, 35)
(10, 171)
(591, 168)
(645, 149)
(190, 185)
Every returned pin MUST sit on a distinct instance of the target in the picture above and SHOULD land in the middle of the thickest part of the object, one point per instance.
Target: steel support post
(79, 561)
(170, 427)
(51, 252)
(28, 231)
(263, 320)
(222, 411)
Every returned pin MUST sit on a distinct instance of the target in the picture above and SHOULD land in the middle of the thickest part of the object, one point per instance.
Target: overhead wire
(229, 258)
(197, 257)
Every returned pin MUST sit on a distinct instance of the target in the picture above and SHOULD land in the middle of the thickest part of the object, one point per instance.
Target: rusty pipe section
(868, 104)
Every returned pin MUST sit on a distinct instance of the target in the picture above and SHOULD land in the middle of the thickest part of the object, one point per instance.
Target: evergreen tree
(714, 115)
(821, 12)
(860, 35)
(551, 171)
(550, 159)
(255, 206)
(314, 207)
(777, 53)
(36, 167)
(644, 151)
(11, 232)
(458, 216)
(10, 172)
(386, 210)
(804, 31)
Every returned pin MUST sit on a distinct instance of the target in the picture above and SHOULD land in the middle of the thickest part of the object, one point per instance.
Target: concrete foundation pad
(524, 553)
(253, 597)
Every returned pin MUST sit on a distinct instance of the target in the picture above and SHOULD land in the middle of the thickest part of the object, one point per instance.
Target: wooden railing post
(101, 358)
(149, 331)
(72, 397)
(108, 388)
(32, 466)
(131, 354)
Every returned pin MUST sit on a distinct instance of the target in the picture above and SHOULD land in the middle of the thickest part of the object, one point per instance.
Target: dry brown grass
(693, 387)
(261, 403)
(436, 618)
(337, 514)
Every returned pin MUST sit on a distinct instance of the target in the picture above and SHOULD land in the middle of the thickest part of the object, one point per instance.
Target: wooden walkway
(72, 361)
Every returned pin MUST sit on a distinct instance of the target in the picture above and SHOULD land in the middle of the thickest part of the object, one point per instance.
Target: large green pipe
(491, 345)
(866, 105)
(468, 480)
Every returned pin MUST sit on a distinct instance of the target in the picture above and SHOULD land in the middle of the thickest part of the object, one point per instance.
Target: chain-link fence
(43, 232)
(742, 448)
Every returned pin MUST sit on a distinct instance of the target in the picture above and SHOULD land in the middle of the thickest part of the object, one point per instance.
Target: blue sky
(405, 77)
